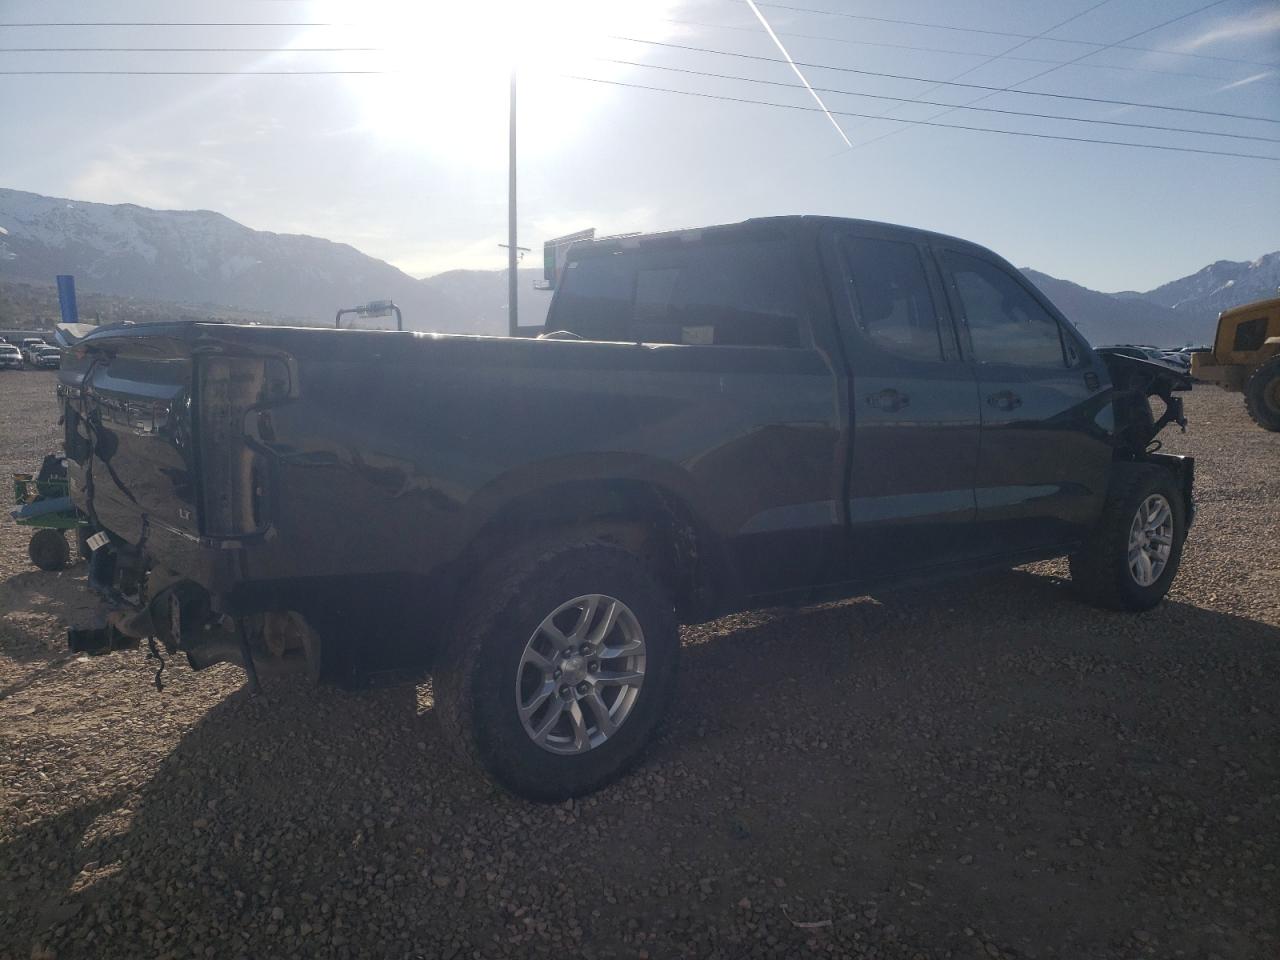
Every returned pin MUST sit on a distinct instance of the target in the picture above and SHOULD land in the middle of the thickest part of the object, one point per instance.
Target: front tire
(1134, 553)
(1262, 395)
(560, 670)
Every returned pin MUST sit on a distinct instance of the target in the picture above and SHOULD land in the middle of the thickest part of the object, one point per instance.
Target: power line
(675, 46)
(692, 23)
(1056, 67)
(640, 86)
(1005, 33)
(698, 73)
(948, 126)
(951, 83)
(961, 53)
(991, 59)
(935, 103)
(833, 13)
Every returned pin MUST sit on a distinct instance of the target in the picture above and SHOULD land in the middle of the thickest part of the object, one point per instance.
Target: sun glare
(449, 66)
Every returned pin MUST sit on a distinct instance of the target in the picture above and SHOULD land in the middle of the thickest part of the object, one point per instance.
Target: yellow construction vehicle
(1246, 357)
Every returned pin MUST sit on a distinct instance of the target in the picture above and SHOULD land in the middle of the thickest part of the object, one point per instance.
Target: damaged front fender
(1135, 379)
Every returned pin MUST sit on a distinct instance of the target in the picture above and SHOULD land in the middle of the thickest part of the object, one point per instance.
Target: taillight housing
(233, 472)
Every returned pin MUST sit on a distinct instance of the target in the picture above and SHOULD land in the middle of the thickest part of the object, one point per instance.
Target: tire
(1262, 395)
(1101, 571)
(48, 549)
(486, 672)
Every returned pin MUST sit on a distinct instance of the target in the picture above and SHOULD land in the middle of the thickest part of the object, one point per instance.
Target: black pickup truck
(780, 411)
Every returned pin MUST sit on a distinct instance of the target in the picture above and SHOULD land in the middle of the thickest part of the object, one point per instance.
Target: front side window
(891, 297)
(1006, 324)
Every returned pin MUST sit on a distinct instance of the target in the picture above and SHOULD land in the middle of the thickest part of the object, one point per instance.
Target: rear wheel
(1134, 553)
(1262, 395)
(561, 669)
(48, 549)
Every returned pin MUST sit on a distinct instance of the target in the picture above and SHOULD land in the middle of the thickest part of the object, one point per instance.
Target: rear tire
(528, 616)
(48, 549)
(1262, 395)
(1124, 565)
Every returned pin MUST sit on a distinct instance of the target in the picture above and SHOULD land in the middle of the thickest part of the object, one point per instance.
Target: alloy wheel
(580, 674)
(1150, 540)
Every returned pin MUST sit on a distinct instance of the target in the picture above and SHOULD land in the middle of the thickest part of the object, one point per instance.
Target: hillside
(203, 257)
(134, 263)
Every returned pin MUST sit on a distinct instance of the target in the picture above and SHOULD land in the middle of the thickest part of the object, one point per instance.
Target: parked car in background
(46, 358)
(29, 346)
(10, 357)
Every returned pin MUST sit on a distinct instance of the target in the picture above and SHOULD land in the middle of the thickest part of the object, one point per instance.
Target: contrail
(783, 50)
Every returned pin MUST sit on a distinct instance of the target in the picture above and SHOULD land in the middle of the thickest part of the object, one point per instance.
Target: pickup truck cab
(780, 411)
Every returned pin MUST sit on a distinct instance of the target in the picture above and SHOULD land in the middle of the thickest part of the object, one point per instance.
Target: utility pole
(513, 255)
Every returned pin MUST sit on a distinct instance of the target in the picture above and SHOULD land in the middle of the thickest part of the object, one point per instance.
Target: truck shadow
(37, 607)
(989, 756)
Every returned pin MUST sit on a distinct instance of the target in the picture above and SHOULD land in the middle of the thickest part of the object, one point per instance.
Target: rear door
(913, 407)
(1046, 449)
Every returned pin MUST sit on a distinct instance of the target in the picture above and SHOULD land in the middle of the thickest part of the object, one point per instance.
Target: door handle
(889, 400)
(1005, 400)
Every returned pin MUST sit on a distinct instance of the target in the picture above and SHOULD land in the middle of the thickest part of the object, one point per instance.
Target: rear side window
(891, 297)
(731, 293)
(1006, 323)
(595, 298)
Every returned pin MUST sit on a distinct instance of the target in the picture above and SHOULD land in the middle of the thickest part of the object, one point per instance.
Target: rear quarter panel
(401, 447)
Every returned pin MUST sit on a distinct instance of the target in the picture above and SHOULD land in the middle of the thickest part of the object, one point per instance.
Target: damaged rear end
(163, 429)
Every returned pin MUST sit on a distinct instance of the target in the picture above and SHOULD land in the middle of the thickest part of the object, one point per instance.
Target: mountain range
(198, 262)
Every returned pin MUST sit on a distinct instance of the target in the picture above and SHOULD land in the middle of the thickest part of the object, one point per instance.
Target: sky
(404, 156)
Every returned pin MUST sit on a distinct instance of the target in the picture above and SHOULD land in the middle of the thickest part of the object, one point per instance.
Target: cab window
(725, 292)
(890, 295)
(1006, 323)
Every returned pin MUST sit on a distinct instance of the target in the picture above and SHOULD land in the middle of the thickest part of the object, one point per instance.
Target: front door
(913, 406)
(1046, 454)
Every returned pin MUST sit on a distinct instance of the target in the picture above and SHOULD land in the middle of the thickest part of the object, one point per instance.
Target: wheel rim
(580, 674)
(1150, 540)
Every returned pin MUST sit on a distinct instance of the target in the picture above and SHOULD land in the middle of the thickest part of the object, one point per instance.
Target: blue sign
(67, 298)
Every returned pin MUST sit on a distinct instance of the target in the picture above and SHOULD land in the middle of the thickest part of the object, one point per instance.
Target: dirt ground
(988, 769)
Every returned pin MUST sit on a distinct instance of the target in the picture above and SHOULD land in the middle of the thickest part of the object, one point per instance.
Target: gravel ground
(983, 770)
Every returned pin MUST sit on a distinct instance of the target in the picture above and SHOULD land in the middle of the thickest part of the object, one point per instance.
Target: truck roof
(1269, 304)
(790, 224)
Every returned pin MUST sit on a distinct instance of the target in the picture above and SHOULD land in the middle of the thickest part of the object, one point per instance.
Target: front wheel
(561, 669)
(1262, 395)
(1134, 553)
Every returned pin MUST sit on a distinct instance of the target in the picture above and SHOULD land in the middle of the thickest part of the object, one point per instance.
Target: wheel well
(647, 520)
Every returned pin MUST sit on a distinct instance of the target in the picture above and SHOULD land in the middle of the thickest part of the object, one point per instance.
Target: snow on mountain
(1222, 285)
(1106, 319)
(202, 257)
